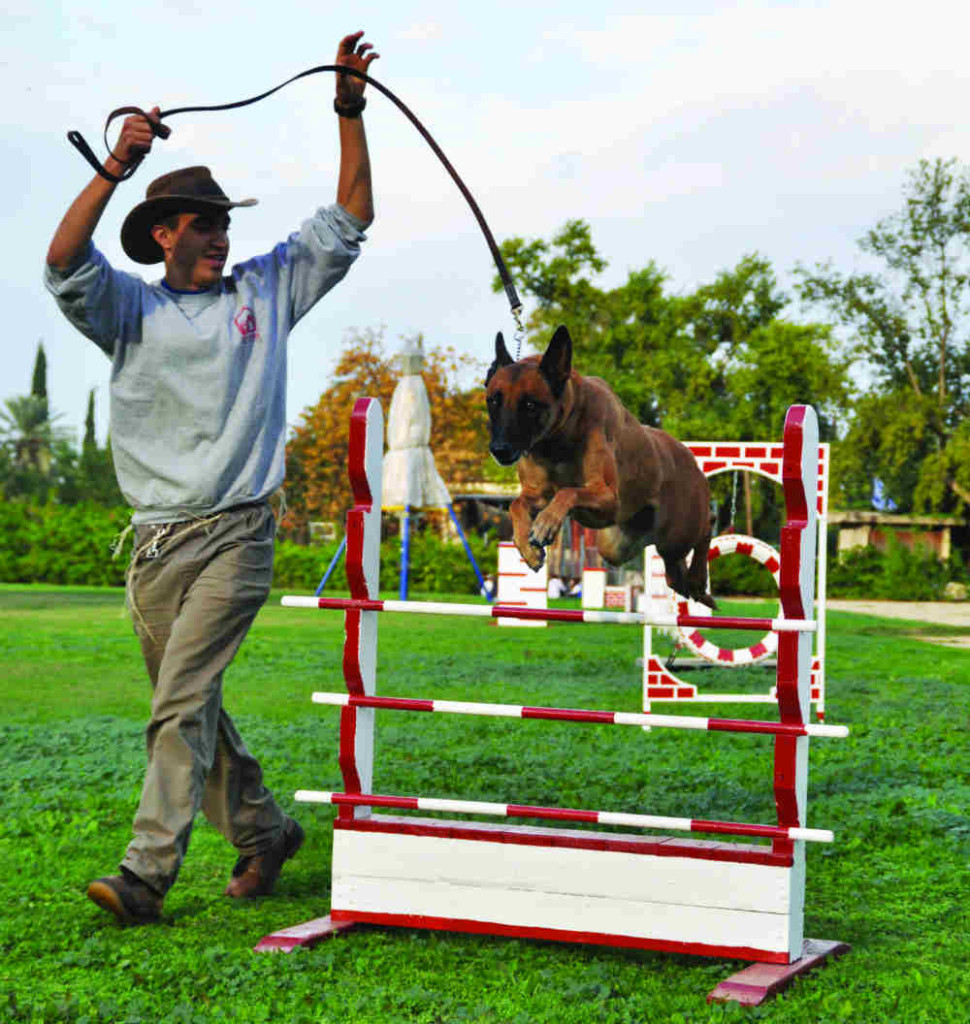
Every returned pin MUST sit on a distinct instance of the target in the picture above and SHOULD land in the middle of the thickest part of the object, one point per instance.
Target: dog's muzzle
(505, 455)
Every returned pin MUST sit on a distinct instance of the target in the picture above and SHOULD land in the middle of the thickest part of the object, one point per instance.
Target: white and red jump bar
(504, 611)
(421, 803)
(455, 707)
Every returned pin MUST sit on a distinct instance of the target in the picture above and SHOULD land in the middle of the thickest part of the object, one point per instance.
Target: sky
(689, 134)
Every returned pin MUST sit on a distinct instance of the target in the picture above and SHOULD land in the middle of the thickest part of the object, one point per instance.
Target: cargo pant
(194, 589)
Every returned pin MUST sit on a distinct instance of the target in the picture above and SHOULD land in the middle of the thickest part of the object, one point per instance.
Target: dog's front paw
(534, 555)
(545, 527)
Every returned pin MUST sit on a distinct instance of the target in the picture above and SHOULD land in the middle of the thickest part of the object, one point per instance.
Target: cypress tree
(90, 443)
(38, 386)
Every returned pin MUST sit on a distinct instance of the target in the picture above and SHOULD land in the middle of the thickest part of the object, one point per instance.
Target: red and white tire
(729, 544)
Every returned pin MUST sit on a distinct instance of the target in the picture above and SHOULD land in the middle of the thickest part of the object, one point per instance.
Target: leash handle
(77, 140)
(163, 131)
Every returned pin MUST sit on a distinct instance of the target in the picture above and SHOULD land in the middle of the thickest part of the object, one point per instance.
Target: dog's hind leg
(697, 574)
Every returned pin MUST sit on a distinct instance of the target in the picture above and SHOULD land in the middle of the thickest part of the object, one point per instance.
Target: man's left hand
(352, 53)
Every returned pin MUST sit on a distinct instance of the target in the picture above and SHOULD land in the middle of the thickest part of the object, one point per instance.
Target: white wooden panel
(663, 898)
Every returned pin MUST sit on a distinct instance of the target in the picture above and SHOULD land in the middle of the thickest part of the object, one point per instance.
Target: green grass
(73, 700)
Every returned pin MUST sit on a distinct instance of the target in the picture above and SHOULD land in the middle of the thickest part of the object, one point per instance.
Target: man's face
(196, 249)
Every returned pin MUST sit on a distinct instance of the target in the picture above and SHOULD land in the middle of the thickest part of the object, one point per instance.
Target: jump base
(301, 936)
(760, 982)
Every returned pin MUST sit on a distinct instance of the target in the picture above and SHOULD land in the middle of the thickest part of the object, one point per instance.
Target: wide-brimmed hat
(190, 190)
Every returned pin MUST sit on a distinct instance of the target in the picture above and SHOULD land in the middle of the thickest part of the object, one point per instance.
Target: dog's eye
(531, 406)
(493, 401)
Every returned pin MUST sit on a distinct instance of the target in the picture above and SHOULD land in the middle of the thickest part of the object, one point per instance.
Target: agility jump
(660, 683)
(619, 889)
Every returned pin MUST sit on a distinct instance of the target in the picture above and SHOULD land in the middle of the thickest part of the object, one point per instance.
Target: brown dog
(579, 451)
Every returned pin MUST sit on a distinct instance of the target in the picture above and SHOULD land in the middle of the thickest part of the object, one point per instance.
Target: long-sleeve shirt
(198, 379)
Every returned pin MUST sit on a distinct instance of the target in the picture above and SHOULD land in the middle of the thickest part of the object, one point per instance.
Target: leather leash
(163, 131)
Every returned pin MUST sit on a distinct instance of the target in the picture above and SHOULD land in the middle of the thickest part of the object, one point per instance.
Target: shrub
(434, 565)
(61, 544)
(896, 574)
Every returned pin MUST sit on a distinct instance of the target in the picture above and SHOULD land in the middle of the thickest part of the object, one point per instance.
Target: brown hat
(190, 190)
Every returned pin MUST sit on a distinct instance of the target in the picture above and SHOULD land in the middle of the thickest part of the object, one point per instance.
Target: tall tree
(38, 384)
(96, 480)
(909, 322)
(316, 455)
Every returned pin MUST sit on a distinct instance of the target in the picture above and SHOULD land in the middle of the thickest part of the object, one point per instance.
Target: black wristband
(350, 110)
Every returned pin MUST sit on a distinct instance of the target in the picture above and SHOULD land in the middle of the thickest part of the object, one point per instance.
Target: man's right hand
(136, 136)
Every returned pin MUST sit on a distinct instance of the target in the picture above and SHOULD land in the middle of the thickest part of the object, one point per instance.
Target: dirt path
(942, 613)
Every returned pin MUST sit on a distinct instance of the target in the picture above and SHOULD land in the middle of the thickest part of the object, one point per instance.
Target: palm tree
(27, 430)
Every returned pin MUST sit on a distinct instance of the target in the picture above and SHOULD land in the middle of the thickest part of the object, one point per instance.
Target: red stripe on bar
(552, 813)
(549, 614)
(392, 703)
(725, 654)
(747, 725)
(570, 715)
(737, 828)
(373, 800)
(346, 603)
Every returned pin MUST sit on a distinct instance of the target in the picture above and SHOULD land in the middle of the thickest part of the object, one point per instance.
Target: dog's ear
(502, 357)
(557, 362)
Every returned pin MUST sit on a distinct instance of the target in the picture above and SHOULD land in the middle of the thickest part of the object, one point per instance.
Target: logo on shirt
(246, 324)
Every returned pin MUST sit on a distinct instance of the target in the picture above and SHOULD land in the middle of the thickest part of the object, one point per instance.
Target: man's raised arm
(76, 229)
(354, 191)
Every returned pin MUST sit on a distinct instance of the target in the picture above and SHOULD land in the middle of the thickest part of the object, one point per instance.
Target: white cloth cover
(410, 475)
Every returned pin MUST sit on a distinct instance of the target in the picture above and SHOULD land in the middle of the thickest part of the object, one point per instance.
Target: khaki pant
(195, 589)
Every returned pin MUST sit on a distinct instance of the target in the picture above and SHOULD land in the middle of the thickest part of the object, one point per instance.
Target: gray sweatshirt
(198, 379)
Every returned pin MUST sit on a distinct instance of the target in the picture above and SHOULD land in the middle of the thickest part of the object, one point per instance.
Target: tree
(614, 332)
(38, 385)
(719, 362)
(909, 323)
(27, 429)
(96, 476)
(714, 363)
(316, 454)
(38, 455)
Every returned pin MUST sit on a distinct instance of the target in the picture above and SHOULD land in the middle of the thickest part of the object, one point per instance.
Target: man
(198, 399)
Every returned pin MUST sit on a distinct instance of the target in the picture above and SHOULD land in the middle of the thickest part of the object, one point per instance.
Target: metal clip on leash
(519, 328)
(163, 131)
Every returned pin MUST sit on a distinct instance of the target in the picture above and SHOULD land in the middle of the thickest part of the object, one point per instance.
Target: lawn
(73, 700)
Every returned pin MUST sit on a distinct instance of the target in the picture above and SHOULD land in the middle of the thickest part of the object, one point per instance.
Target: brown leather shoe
(126, 896)
(256, 876)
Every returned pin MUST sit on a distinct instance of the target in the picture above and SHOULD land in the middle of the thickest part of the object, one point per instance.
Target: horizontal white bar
(817, 835)
(486, 612)
(457, 707)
